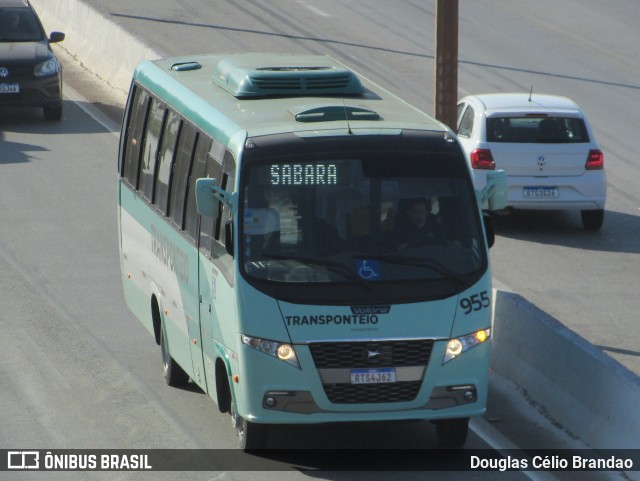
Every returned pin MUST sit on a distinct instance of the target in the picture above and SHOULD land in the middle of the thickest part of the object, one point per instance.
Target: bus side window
(181, 171)
(224, 225)
(151, 144)
(203, 143)
(227, 183)
(216, 156)
(165, 162)
(133, 144)
(212, 171)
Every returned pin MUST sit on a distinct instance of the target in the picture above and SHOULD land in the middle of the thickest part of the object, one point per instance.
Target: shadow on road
(14, 120)
(619, 233)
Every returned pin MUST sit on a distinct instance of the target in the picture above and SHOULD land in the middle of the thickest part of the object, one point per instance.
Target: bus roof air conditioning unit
(268, 75)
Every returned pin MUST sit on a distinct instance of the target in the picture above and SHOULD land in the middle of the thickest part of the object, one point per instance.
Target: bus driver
(416, 225)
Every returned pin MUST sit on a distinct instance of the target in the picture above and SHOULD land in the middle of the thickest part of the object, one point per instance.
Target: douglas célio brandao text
(551, 462)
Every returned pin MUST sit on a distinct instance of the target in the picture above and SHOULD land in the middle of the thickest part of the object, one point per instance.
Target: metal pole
(446, 61)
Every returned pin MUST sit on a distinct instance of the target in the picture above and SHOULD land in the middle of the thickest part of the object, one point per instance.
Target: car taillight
(595, 160)
(482, 159)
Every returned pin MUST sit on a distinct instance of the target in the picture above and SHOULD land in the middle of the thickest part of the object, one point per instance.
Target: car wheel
(452, 433)
(592, 219)
(53, 112)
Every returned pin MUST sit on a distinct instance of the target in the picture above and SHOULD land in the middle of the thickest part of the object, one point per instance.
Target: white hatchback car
(545, 146)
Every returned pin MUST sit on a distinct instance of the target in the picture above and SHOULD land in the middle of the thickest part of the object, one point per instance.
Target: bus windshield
(364, 221)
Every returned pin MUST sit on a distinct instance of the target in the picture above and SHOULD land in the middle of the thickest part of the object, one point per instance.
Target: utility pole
(446, 61)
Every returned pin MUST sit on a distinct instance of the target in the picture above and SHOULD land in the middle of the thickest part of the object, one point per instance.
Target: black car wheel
(53, 112)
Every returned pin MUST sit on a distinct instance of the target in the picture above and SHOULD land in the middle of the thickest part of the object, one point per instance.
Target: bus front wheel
(174, 375)
(452, 433)
(250, 435)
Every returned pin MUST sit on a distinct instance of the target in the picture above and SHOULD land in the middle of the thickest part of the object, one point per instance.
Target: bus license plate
(9, 88)
(373, 376)
(541, 192)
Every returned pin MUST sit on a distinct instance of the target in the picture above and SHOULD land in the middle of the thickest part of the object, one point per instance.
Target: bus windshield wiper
(327, 264)
(416, 261)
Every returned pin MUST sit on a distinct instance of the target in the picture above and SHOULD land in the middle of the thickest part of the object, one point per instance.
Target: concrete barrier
(589, 393)
(595, 397)
(96, 41)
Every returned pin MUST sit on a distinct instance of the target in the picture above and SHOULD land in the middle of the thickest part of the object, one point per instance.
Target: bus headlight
(280, 350)
(457, 346)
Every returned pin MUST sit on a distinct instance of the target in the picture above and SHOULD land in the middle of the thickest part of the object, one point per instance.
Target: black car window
(538, 129)
(19, 25)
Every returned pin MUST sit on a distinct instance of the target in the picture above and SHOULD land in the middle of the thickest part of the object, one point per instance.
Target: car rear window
(536, 130)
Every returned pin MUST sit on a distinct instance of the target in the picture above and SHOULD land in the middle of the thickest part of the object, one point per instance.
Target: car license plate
(373, 376)
(9, 88)
(540, 192)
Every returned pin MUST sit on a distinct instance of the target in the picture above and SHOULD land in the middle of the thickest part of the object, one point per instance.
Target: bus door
(215, 269)
(200, 326)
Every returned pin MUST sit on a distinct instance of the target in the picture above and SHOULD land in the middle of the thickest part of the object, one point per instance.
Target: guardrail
(102, 45)
(595, 397)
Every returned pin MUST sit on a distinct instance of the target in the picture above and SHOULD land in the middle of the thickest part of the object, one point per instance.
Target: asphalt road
(583, 49)
(80, 372)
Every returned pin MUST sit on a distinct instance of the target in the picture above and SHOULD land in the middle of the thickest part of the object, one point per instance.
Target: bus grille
(355, 355)
(336, 355)
(372, 393)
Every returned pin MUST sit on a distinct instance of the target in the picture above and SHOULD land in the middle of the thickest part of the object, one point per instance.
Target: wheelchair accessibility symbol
(368, 270)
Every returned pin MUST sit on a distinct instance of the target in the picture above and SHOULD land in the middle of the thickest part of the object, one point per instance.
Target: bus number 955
(475, 302)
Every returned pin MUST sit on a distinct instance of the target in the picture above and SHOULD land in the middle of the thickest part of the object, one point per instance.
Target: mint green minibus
(303, 245)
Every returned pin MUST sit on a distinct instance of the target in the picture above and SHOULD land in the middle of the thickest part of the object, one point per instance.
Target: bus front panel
(373, 256)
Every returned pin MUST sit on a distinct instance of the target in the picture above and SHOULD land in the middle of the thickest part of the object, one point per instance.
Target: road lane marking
(313, 9)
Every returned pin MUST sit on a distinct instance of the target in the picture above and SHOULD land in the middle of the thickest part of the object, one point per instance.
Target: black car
(30, 74)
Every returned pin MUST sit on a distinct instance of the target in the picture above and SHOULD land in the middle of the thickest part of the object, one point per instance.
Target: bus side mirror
(498, 199)
(208, 194)
(228, 238)
(495, 192)
(488, 230)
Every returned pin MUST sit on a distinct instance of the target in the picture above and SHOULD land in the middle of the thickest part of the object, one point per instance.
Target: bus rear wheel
(250, 435)
(174, 375)
(452, 433)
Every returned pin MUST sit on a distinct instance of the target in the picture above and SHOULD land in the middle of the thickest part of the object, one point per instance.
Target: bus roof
(263, 94)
